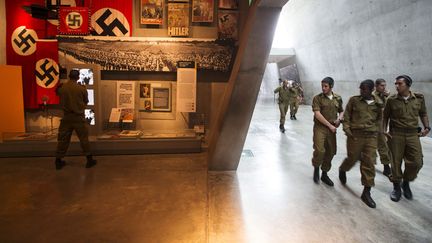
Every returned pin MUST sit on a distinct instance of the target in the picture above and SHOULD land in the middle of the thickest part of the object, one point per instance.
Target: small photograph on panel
(90, 93)
(145, 90)
(147, 105)
(86, 76)
(89, 116)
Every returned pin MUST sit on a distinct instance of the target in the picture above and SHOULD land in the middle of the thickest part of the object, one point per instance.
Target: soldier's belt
(404, 130)
(364, 133)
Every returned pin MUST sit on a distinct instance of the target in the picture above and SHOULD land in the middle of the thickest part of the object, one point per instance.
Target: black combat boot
(282, 128)
(342, 176)
(387, 171)
(59, 163)
(90, 161)
(366, 197)
(406, 190)
(294, 117)
(316, 174)
(395, 195)
(326, 179)
(291, 117)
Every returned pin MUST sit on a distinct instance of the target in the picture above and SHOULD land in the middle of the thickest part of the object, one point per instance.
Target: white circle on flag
(110, 20)
(47, 73)
(23, 41)
(74, 20)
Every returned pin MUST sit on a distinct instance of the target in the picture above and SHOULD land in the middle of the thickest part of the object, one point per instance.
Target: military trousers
(405, 146)
(69, 124)
(383, 150)
(294, 105)
(283, 108)
(324, 145)
(362, 147)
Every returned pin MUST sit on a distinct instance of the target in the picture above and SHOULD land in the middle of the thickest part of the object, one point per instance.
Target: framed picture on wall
(145, 90)
(151, 12)
(178, 19)
(228, 4)
(202, 10)
(227, 25)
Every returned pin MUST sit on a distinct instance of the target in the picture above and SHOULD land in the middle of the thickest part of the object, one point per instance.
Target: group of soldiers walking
(373, 120)
(289, 97)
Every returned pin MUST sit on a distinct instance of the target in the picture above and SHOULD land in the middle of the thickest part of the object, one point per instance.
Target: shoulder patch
(393, 96)
(418, 95)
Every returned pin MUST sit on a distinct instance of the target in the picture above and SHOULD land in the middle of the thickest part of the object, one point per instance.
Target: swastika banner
(22, 32)
(74, 21)
(110, 17)
(47, 72)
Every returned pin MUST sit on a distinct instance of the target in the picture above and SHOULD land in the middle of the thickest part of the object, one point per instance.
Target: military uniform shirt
(329, 108)
(359, 115)
(294, 92)
(73, 98)
(405, 113)
(381, 96)
(284, 94)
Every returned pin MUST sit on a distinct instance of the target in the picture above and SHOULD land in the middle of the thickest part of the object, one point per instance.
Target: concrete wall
(354, 40)
(2, 32)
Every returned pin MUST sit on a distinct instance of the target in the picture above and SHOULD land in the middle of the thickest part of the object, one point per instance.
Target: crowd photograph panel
(146, 55)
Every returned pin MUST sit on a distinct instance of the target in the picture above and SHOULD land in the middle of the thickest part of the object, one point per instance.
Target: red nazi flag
(47, 72)
(74, 21)
(110, 17)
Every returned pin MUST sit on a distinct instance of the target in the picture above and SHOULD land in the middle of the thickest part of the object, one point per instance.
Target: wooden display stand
(11, 100)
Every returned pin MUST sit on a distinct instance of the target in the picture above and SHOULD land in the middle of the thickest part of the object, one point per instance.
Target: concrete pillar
(231, 128)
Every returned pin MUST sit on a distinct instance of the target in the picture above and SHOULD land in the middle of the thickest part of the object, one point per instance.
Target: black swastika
(24, 41)
(74, 20)
(47, 73)
(108, 29)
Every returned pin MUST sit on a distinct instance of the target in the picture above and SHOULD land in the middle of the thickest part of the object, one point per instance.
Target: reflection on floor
(172, 198)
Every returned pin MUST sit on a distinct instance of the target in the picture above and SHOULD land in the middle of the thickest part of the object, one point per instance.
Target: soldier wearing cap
(362, 123)
(326, 107)
(283, 101)
(73, 100)
(401, 114)
(382, 94)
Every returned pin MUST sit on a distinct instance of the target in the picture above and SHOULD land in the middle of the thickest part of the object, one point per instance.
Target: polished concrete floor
(172, 198)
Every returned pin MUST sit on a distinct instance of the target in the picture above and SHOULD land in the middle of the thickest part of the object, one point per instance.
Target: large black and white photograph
(145, 54)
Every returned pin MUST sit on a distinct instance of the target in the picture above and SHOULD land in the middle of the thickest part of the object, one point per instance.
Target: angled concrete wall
(354, 40)
(231, 127)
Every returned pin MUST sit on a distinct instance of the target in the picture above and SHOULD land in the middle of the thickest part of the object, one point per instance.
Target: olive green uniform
(294, 101)
(283, 101)
(73, 99)
(383, 149)
(361, 125)
(324, 140)
(405, 144)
